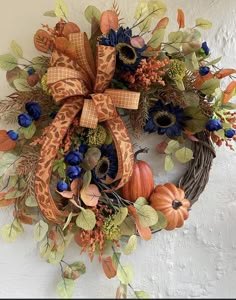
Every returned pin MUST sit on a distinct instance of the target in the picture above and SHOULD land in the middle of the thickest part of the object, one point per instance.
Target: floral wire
(140, 22)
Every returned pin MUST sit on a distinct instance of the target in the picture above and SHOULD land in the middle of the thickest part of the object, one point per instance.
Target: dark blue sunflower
(166, 119)
(107, 164)
(128, 57)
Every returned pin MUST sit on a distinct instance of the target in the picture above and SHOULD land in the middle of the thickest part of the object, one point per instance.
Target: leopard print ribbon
(82, 86)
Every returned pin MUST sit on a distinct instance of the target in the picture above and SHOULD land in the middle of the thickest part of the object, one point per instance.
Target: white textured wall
(198, 260)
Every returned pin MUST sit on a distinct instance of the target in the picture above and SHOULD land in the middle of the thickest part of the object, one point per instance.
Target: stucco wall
(198, 260)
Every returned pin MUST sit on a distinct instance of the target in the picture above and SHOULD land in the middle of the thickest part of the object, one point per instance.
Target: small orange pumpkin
(141, 183)
(171, 201)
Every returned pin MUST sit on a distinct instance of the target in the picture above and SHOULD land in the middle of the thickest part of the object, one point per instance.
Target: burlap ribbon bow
(83, 86)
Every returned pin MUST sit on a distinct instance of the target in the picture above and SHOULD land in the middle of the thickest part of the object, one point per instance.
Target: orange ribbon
(84, 87)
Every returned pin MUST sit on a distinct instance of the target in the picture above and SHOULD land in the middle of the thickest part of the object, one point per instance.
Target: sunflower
(166, 119)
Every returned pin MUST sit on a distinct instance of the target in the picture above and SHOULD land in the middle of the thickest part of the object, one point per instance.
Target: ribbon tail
(124, 150)
(48, 152)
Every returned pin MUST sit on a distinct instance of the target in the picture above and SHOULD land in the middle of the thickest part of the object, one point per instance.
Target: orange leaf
(109, 20)
(66, 194)
(90, 195)
(5, 142)
(78, 239)
(109, 267)
(180, 18)
(7, 202)
(76, 186)
(70, 27)
(162, 24)
(229, 91)
(201, 79)
(42, 40)
(224, 72)
(25, 219)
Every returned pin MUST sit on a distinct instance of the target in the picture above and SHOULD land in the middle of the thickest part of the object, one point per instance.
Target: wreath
(69, 163)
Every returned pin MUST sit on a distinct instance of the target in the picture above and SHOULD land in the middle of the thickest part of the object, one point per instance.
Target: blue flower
(33, 110)
(73, 172)
(166, 119)
(229, 133)
(53, 114)
(62, 186)
(24, 120)
(204, 70)
(83, 148)
(128, 57)
(213, 125)
(205, 48)
(73, 158)
(31, 71)
(107, 164)
(13, 135)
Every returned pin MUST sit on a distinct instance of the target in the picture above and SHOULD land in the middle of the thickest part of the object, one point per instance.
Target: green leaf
(191, 62)
(145, 25)
(86, 219)
(198, 121)
(57, 255)
(16, 49)
(157, 38)
(157, 8)
(31, 201)
(120, 216)
(10, 232)
(116, 258)
(21, 85)
(171, 146)
(68, 220)
(147, 216)
(29, 131)
(209, 86)
(7, 160)
(141, 295)
(61, 9)
(14, 194)
(203, 23)
(40, 63)
(229, 106)
(45, 247)
(128, 227)
(92, 12)
(7, 62)
(125, 274)
(141, 9)
(75, 270)
(141, 201)
(162, 222)
(184, 155)
(214, 62)
(50, 13)
(40, 230)
(65, 288)
(87, 179)
(174, 42)
(169, 164)
(220, 133)
(131, 246)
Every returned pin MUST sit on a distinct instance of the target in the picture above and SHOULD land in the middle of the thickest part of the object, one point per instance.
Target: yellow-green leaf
(191, 62)
(157, 38)
(184, 155)
(9, 232)
(141, 295)
(7, 62)
(128, 227)
(86, 219)
(131, 246)
(21, 85)
(65, 288)
(45, 247)
(147, 216)
(157, 8)
(16, 49)
(56, 255)
(171, 146)
(50, 13)
(162, 222)
(220, 133)
(73, 271)
(68, 220)
(61, 9)
(203, 23)
(92, 12)
(120, 216)
(87, 179)
(141, 201)
(169, 164)
(125, 274)
(31, 201)
(146, 24)
(141, 9)
(28, 132)
(40, 230)
(209, 86)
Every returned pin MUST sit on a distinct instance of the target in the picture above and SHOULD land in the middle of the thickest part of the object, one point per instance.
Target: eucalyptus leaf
(65, 288)
(172, 146)
(7, 160)
(28, 132)
(45, 247)
(16, 49)
(40, 230)
(220, 133)
(141, 9)
(116, 258)
(131, 246)
(162, 222)
(203, 23)
(68, 220)
(50, 13)
(120, 216)
(57, 255)
(125, 274)
(31, 201)
(141, 295)
(209, 86)
(128, 227)
(157, 8)
(184, 155)
(87, 179)
(61, 9)
(169, 164)
(147, 216)
(157, 38)
(141, 201)
(92, 12)
(86, 219)
(21, 85)
(7, 62)
(75, 270)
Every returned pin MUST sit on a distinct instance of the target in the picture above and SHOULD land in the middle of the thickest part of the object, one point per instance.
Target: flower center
(102, 167)
(126, 53)
(164, 119)
(176, 204)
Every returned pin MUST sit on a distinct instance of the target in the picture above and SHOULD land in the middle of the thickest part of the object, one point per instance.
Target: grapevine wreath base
(68, 164)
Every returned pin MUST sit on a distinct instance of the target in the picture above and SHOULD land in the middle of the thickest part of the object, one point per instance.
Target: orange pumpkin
(141, 183)
(171, 201)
